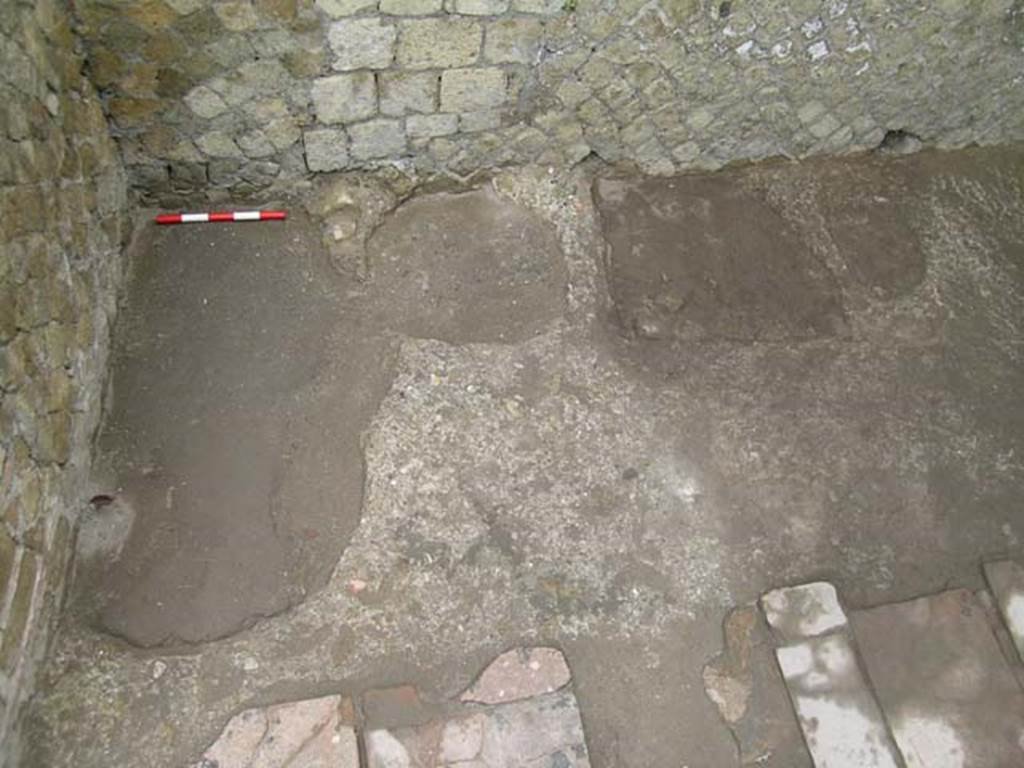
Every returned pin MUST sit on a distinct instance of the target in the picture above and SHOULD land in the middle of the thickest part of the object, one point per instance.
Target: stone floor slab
(1006, 579)
(947, 691)
(809, 610)
(841, 721)
(520, 674)
(543, 731)
(300, 734)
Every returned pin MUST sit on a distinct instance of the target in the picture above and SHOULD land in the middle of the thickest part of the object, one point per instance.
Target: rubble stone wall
(228, 97)
(62, 200)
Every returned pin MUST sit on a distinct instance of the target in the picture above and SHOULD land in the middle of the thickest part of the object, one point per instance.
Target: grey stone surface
(377, 138)
(326, 149)
(544, 730)
(256, 144)
(513, 41)
(337, 9)
(437, 43)
(403, 93)
(204, 102)
(218, 144)
(362, 43)
(520, 674)
(481, 120)
(63, 206)
(1006, 579)
(345, 98)
(947, 691)
(805, 611)
(470, 90)
(429, 126)
(411, 7)
(481, 7)
(842, 724)
(665, 86)
(304, 734)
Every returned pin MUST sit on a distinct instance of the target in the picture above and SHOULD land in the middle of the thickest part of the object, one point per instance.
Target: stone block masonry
(62, 200)
(217, 99)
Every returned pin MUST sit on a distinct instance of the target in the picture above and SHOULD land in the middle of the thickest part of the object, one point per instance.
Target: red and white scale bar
(203, 218)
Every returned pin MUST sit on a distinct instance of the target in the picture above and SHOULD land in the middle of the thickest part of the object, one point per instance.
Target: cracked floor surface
(594, 414)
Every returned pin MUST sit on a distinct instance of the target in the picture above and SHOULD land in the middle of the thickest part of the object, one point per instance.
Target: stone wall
(232, 96)
(62, 195)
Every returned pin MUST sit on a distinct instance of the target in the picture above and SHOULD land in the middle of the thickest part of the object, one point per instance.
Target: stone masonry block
(481, 7)
(543, 7)
(484, 120)
(429, 126)
(364, 43)
(410, 7)
(205, 102)
(345, 98)
(439, 43)
(376, 139)
(406, 92)
(804, 611)
(218, 144)
(513, 41)
(471, 90)
(326, 149)
(338, 9)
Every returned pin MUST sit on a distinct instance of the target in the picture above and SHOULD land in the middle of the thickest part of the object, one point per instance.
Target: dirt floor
(595, 413)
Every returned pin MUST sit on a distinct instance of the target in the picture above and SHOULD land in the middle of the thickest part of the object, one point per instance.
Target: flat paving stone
(520, 674)
(947, 691)
(1006, 580)
(805, 611)
(841, 721)
(543, 731)
(300, 734)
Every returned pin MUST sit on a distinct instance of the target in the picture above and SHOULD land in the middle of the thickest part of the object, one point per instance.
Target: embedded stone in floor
(840, 719)
(530, 717)
(520, 674)
(543, 730)
(314, 733)
(947, 691)
(805, 611)
(1006, 579)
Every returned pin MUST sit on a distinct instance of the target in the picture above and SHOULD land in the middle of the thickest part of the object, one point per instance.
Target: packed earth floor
(385, 441)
